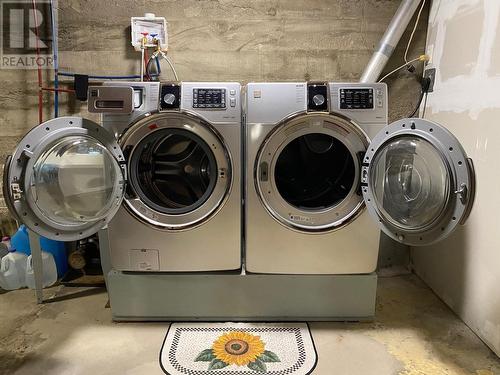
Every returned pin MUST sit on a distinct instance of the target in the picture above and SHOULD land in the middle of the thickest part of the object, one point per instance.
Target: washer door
(307, 172)
(179, 169)
(65, 180)
(418, 182)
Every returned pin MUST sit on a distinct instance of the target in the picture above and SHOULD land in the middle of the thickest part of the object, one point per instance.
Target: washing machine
(162, 172)
(326, 173)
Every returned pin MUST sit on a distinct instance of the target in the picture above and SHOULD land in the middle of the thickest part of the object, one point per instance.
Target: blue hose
(67, 74)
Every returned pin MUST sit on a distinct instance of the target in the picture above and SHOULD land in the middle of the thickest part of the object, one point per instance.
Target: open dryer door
(417, 181)
(66, 178)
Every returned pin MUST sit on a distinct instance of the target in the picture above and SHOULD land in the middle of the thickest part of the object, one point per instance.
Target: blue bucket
(20, 242)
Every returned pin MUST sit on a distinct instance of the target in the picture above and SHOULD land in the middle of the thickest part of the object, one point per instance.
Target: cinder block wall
(239, 40)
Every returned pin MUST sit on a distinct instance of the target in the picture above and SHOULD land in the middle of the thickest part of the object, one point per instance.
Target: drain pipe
(389, 41)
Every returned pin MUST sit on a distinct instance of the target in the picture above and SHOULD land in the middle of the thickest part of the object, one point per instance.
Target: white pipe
(388, 43)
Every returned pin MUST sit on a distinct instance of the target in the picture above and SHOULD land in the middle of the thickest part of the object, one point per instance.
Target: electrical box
(155, 27)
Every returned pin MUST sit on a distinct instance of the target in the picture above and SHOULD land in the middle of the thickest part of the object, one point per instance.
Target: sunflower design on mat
(240, 349)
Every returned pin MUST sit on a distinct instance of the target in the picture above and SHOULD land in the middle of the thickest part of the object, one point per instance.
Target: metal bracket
(36, 256)
(431, 74)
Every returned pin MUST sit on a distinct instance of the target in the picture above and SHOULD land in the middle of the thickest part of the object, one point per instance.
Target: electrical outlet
(431, 74)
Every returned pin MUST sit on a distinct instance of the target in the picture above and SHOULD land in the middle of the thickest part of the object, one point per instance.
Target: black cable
(425, 104)
(424, 89)
(417, 107)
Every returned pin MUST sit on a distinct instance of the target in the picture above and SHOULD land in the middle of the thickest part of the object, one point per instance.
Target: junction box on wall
(151, 27)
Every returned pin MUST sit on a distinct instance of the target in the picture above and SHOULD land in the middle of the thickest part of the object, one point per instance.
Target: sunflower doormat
(238, 348)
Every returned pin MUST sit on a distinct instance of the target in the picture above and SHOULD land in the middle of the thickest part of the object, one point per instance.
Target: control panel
(356, 98)
(215, 101)
(364, 103)
(210, 98)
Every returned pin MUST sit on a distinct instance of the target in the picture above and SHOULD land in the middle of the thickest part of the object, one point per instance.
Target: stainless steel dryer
(318, 153)
(163, 174)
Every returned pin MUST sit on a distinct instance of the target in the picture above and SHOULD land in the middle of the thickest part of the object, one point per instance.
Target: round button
(169, 98)
(318, 99)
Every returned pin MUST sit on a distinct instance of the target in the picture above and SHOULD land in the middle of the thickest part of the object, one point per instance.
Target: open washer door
(417, 181)
(66, 178)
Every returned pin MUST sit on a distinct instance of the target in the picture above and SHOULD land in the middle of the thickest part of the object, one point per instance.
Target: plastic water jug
(49, 271)
(13, 271)
(20, 242)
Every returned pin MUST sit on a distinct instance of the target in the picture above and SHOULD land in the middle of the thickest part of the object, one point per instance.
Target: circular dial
(169, 98)
(318, 99)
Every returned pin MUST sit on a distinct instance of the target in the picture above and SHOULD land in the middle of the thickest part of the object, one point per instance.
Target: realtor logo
(25, 29)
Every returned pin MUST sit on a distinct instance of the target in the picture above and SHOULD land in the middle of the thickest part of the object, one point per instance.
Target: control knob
(169, 98)
(318, 99)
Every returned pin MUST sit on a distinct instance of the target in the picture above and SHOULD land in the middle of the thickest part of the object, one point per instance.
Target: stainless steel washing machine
(319, 153)
(163, 173)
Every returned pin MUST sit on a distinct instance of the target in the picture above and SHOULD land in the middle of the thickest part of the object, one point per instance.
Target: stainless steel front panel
(214, 245)
(272, 247)
(270, 103)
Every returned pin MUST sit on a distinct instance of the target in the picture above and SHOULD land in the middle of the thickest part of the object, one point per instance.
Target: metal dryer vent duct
(388, 43)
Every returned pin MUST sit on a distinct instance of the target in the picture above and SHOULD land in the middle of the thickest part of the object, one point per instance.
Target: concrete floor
(413, 333)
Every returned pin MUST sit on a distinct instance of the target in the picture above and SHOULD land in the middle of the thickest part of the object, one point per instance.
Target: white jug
(49, 271)
(13, 271)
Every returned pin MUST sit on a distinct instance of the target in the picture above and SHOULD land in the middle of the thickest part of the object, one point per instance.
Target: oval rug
(238, 349)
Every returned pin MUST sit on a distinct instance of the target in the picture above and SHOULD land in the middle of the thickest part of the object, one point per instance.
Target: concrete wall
(464, 45)
(219, 40)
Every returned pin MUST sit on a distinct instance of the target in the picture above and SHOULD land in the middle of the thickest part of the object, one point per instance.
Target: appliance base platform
(240, 297)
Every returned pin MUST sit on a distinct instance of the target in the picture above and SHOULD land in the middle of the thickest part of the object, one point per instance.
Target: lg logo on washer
(26, 29)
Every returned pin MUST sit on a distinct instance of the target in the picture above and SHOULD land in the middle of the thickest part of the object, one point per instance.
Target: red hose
(39, 68)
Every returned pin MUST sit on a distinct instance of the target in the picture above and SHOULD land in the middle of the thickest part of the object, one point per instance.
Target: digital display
(209, 98)
(356, 98)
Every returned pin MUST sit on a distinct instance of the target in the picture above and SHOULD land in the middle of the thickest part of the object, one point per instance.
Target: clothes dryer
(319, 154)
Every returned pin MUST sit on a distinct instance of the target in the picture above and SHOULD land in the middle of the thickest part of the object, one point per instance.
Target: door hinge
(16, 191)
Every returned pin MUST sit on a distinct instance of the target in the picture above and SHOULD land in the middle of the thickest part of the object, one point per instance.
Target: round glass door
(410, 182)
(179, 170)
(67, 181)
(308, 172)
(419, 182)
(75, 180)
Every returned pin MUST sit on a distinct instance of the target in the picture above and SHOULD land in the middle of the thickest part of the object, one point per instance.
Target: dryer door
(65, 180)
(418, 182)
